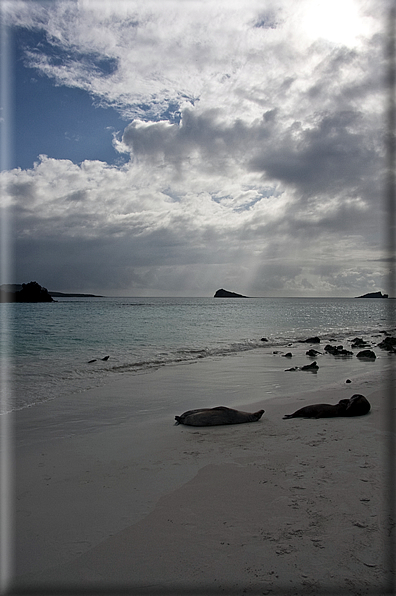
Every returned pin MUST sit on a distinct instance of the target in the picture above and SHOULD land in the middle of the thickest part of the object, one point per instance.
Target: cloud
(255, 150)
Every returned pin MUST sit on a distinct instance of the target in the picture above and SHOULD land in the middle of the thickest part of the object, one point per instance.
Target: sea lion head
(358, 406)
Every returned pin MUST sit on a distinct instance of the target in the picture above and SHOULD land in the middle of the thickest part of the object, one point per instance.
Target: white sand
(276, 506)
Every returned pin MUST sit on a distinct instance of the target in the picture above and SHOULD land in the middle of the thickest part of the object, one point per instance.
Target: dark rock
(312, 340)
(388, 344)
(288, 355)
(312, 353)
(348, 381)
(309, 367)
(106, 358)
(337, 350)
(33, 292)
(358, 342)
(263, 339)
(374, 295)
(90, 361)
(367, 354)
(312, 367)
(226, 294)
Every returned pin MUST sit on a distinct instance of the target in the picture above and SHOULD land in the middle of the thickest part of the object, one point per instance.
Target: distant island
(63, 295)
(373, 295)
(33, 292)
(226, 294)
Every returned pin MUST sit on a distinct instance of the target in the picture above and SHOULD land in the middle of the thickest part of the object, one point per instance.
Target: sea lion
(319, 411)
(357, 405)
(216, 416)
(310, 367)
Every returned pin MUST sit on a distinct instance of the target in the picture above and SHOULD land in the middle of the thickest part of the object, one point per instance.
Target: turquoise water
(51, 344)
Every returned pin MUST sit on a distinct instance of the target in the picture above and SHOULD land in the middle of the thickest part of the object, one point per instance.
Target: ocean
(75, 344)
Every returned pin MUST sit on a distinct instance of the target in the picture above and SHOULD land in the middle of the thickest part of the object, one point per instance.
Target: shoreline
(58, 365)
(259, 499)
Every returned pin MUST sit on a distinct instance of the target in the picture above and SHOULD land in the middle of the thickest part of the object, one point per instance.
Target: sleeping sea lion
(216, 416)
(357, 405)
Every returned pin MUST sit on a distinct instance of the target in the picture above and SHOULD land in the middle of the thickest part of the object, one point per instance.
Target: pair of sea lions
(357, 405)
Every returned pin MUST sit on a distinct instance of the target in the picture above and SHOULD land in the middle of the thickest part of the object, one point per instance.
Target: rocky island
(226, 294)
(374, 295)
(31, 292)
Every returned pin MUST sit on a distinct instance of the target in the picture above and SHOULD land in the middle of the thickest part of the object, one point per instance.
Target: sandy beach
(113, 503)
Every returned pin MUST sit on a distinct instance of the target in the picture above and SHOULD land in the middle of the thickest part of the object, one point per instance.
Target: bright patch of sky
(168, 148)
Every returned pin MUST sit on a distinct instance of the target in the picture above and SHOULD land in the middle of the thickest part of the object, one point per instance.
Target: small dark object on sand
(313, 366)
(337, 350)
(312, 353)
(389, 344)
(357, 405)
(217, 416)
(106, 358)
(358, 342)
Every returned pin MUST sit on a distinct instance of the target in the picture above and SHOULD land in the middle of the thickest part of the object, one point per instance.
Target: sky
(172, 148)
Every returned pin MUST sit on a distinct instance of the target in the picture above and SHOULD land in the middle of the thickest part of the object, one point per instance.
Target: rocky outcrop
(358, 342)
(388, 344)
(310, 367)
(226, 294)
(312, 353)
(374, 295)
(310, 340)
(31, 292)
(337, 350)
(366, 355)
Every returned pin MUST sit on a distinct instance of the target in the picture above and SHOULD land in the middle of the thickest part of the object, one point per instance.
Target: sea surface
(61, 348)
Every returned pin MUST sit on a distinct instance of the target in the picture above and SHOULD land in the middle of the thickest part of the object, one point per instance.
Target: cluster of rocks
(309, 367)
(388, 344)
(337, 350)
